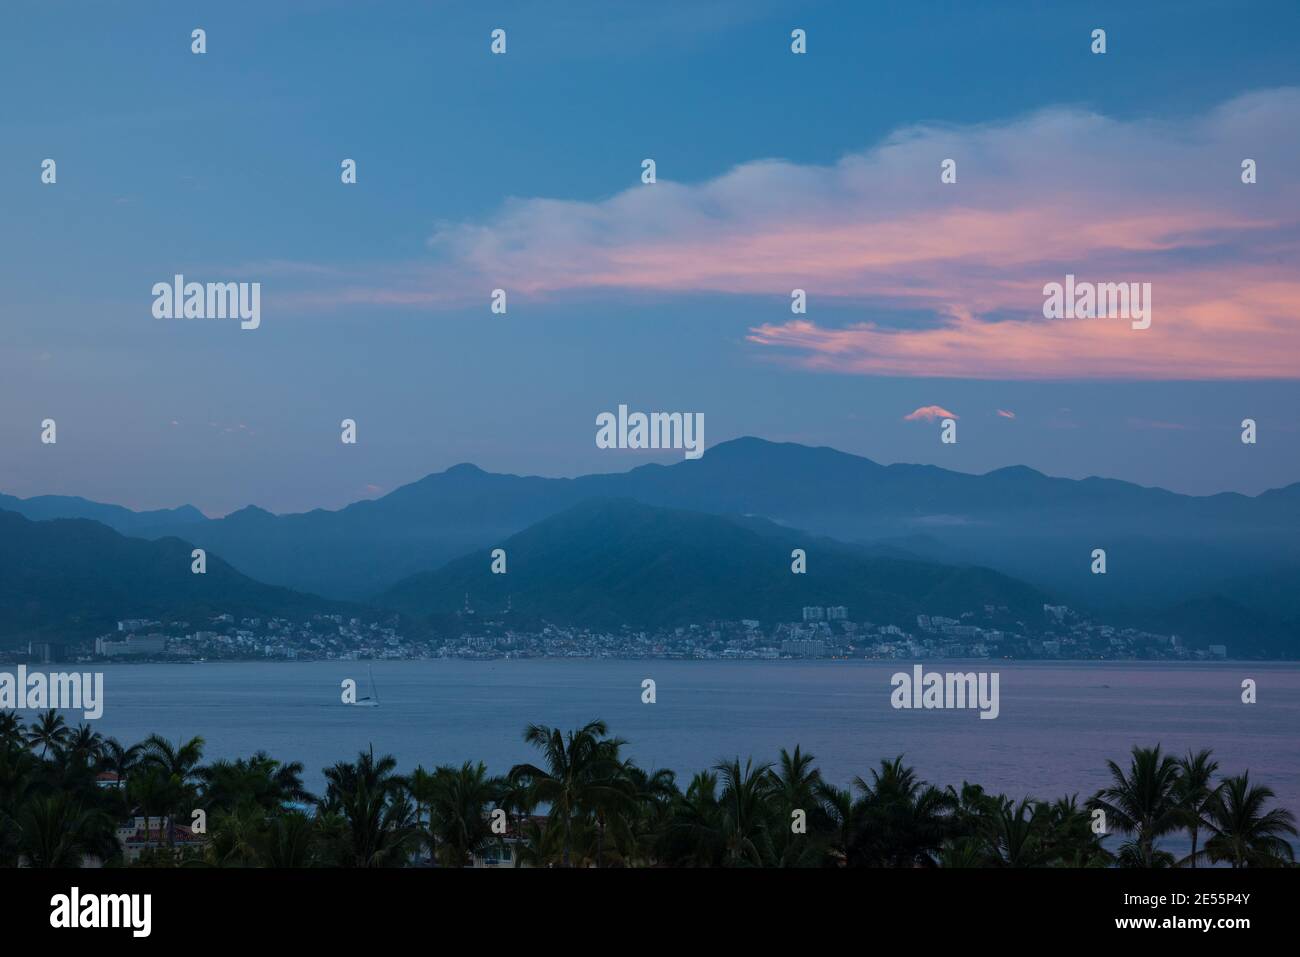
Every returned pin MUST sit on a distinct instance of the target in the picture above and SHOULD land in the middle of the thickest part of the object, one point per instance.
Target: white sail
(371, 700)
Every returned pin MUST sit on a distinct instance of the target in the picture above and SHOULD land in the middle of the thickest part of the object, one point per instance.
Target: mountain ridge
(616, 561)
(75, 577)
(1163, 547)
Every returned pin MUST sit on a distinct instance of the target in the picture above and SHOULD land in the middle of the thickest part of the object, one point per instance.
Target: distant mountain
(74, 578)
(1219, 619)
(360, 550)
(42, 507)
(1162, 548)
(605, 563)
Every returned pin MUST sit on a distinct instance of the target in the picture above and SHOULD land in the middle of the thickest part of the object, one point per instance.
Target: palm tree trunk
(566, 840)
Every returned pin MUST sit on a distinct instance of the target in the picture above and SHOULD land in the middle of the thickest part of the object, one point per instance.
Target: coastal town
(814, 632)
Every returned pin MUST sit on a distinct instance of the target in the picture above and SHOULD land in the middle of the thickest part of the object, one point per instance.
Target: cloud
(876, 233)
(929, 413)
(1006, 414)
(232, 428)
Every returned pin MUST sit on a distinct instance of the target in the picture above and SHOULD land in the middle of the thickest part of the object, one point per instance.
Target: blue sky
(226, 167)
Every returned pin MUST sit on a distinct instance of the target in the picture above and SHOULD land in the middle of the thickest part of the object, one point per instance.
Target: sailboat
(371, 700)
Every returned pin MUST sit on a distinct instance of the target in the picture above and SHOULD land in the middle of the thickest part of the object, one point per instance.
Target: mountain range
(606, 562)
(41, 507)
(1161, 546)
(74, 578)
(1233, 556)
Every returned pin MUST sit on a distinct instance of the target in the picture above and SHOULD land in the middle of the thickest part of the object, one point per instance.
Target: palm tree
(694, 834)
(644, 820)
(18, 784)
(289, 841)
(11, 731)
(374, 774)
(538, 845)
(1144, 803)
(1015, 838)
(85, 744)
(73, 765)
(746, 812)
(843, 815)
(152, 792)
(1068, 836)
(1193, 793)
(381, 829)
(603, 810)
(56, 831)
(370, 818)
(179, 760)
(121, 760)
(576, 776)
(420, 784)
(178, 765)
(795, 784)
(1242, 832)
(963, 852)
(260, 780)
(613, 804)
(285, 779)
(973, 809)
(49, 731)
(237, 836)
(460, 799)
(515, 797)
(796, 780)
(904, 821)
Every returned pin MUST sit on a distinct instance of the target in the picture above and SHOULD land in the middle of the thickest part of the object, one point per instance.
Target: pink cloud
(1005, 414)
(929, 413)
(1238, 330)
(1059, 191)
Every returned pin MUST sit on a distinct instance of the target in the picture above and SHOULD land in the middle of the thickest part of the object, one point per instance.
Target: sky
(522, 171)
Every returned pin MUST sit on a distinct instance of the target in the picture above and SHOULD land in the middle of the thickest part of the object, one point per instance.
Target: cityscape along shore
(819, 632)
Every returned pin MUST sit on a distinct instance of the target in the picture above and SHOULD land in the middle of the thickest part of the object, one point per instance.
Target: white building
(134, 645)
(804, 648)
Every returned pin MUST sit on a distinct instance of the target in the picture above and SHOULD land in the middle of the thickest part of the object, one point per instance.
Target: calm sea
(1059, 722)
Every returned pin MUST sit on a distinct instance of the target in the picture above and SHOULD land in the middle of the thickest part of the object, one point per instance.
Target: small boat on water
(371, 700)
